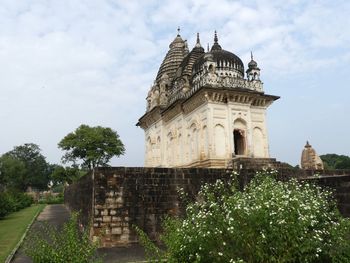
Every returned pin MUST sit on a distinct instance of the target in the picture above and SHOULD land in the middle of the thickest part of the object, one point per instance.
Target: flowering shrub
(270, 221)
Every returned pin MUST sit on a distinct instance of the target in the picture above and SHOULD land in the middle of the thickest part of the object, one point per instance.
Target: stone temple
(204, 109)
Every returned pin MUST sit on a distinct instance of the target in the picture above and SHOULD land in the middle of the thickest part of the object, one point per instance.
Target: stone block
(106, 219)
(112, 212)
(116, 219)
(116, 230)
(104, 212)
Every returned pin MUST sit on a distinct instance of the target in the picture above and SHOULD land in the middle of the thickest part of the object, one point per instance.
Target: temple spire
(198, 42)
(178, 31)
(251, 55)
(216, 45)
(215, 37)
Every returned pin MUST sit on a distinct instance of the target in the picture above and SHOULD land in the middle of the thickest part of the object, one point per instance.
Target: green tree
(61, 175)
(94, 146)
(335, 161)
(12, 172)
(25, 166)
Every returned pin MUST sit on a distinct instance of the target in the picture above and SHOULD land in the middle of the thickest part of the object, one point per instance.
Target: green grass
(13, 226)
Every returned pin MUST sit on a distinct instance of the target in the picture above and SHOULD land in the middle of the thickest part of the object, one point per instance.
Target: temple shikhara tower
(310, 160)
(204, 109)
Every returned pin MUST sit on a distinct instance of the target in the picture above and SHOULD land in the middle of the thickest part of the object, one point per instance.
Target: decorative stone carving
(210, 85)
(310, 160)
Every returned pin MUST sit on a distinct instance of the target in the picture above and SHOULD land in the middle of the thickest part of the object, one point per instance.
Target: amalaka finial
(215, 37)
(208, 47)
(251, 55)
(178, 31)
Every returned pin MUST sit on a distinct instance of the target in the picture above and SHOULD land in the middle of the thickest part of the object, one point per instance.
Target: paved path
(57, 215)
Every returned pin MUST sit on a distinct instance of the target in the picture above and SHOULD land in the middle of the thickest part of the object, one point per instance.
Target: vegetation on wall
(94, 146)
(269, 221)
(335, 161)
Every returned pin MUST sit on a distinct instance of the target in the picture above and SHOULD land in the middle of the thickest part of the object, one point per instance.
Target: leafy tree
(95, 146)
(25, 166)
(12, 172)
(335, 161)
(61, 175)
(269, 221)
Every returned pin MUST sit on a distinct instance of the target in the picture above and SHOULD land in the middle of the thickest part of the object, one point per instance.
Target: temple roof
(186, 65)
(177, 51)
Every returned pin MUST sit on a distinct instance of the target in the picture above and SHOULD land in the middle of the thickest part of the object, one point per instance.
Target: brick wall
(125, 196)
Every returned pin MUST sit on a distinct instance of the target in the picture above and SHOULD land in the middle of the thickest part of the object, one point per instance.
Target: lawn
(13, 226)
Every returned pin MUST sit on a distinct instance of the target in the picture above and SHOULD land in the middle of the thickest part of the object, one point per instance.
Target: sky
(72, 62)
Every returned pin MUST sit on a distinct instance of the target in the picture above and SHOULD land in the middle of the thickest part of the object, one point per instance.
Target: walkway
(57, 215)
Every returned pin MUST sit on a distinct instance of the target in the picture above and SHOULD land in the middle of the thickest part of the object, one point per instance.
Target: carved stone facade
(310, 160)
(202, 112)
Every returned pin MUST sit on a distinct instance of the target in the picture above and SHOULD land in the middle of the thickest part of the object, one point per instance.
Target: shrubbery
(51, 199)
(65, 245)
(12, 201)
(270, 221)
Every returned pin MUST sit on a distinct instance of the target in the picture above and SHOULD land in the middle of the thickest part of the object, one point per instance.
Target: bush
(12, 201)
(5, 206)
(66, 245)
(270, 221)
(52, 199)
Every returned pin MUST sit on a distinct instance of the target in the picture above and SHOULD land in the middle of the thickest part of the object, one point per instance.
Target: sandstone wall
(78, 197)
(125, 196)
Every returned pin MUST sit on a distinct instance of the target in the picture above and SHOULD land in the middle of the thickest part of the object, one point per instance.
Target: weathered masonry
(113, 199)
(202, 111)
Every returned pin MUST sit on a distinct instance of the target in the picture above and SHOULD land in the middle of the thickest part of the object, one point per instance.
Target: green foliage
(24, 166)
(13, 228)
(95, 146)
(13, 172)
(153, 253)
(335, 161)
(270, 221)
(65, 245)
(12, 201)
(52, 199)
(61, 175)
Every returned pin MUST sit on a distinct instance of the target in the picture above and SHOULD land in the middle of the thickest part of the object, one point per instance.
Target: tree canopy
(335, 161)
(24, 166)
(94, 146)
(61, 175)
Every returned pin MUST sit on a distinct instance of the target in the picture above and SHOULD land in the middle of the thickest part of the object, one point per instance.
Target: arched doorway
(239, 142)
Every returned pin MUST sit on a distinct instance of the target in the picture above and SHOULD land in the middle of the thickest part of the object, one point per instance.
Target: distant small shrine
(310, 160)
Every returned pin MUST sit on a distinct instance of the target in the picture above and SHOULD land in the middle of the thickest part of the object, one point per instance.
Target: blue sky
(64, 63)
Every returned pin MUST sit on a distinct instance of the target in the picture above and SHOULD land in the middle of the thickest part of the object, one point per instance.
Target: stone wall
(78, 197)
(124, 196)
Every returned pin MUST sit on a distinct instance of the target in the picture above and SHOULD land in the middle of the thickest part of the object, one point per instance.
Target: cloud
(63, 63)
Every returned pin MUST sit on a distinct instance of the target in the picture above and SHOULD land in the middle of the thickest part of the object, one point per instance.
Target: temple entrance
(239, 142)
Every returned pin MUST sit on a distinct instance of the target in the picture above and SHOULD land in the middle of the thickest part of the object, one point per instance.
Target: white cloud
(63, 63)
